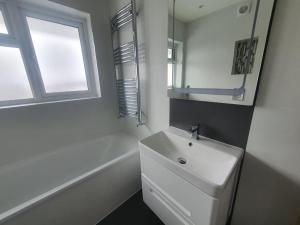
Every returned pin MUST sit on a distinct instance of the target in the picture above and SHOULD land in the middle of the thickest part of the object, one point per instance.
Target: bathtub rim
(6, 215)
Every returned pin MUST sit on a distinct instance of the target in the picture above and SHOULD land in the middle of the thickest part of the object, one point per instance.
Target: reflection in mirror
(216, 49)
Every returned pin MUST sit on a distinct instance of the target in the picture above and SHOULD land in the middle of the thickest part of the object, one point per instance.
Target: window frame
(6, 39)
(3, 10)
(173, 60)
(15, 14)
(10, 40)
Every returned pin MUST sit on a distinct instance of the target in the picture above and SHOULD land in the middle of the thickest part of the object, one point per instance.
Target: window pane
(169, 53)
(14, 83)
(170, 74)
(59, 53)
(3, 29)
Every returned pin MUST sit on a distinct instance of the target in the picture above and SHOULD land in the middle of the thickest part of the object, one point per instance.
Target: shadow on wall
(267, 187)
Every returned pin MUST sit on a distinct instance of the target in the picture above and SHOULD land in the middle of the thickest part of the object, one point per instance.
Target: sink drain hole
(181, 160)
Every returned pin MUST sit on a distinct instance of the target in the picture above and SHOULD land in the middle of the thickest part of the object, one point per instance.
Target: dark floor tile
(132, 212)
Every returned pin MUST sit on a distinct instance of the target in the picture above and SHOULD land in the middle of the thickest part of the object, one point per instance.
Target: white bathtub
(30, 182)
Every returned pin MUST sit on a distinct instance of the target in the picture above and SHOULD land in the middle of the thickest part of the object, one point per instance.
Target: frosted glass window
(59, 54)
(14, 83)
(3, 29)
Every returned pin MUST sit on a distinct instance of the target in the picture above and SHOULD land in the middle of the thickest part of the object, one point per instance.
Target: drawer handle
(167, 197)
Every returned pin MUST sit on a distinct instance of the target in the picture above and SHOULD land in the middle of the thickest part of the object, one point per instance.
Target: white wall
(31, 130)
(269, 192)
(210, 48)
(156, 37)
(180, 29)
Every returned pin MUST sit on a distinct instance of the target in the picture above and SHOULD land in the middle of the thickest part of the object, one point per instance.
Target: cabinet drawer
(188, 201)
(161, 205)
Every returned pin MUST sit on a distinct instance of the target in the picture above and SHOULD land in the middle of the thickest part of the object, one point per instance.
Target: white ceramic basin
(207, 164)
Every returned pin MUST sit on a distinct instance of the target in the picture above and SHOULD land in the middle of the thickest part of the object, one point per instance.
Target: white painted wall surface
(156, 37)
(210, 48)
(180, 29)
(32, 130)
(269, 191)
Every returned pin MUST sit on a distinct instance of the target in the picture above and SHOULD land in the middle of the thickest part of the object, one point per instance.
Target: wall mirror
(216, 49)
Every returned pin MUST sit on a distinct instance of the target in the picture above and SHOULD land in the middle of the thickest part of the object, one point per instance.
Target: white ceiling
(188, 10)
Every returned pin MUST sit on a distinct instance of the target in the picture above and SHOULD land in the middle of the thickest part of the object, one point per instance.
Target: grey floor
(132, 212)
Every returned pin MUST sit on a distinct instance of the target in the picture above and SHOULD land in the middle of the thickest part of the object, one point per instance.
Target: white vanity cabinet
(175, 199)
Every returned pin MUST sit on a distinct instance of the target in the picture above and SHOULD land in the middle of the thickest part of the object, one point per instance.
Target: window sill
(48, 102)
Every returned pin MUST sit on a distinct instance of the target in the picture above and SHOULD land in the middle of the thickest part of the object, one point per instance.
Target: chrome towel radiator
(125, 55)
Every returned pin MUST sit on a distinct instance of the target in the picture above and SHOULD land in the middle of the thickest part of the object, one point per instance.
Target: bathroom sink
(205, 163)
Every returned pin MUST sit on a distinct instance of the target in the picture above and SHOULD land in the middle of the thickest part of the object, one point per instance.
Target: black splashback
(225, 122)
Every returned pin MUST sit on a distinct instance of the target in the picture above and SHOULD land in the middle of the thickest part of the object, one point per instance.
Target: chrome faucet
(196, 132)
